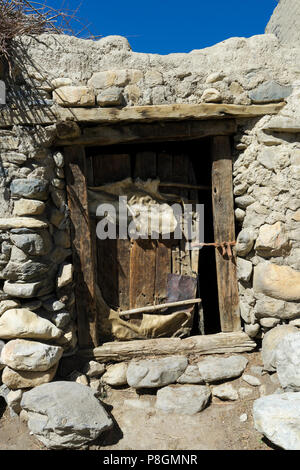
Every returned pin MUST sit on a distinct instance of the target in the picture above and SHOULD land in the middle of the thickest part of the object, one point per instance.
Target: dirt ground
(138, 426)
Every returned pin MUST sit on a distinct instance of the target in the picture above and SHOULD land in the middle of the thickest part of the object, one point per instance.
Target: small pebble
(251, 380)
(243, 418)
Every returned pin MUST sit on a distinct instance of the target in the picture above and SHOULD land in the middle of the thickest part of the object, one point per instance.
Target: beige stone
(116, 374)
(74, 96)
(212, 95)
(296, 216)
(61, 81)
(21, 222)
(8, 305)
(109, 78)
(27, 379)
(22, 323)
(28, 207)
(65, 276)
(272, 240)
(279, 282)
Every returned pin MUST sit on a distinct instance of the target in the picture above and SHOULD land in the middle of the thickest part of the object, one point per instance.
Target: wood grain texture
(235, 342)
(224, 230)
(165, 112)
(82, 246)
(151, 132)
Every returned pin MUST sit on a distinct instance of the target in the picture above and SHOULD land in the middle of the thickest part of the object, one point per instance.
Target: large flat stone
(28, 207)
(154, 373)
(21, 354)
(278, 418)
(214, 369)
(279, 282)
(270, 92)
(27, 379)
(22, 222)
(22, 323)
(270, 343)
(74, 96)
(183, 399)
(27, 290)
(35, 244)
(30, 188)
(287, 360)
(65, 415)
(272, 240)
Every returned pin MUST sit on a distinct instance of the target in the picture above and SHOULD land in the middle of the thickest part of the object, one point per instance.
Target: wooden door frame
(83, 238)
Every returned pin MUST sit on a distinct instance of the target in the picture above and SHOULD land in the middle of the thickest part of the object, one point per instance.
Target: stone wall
(285, 22)
(57, 72)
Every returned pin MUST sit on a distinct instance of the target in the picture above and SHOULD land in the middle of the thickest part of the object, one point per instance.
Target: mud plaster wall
(285, 22)
(58, 72)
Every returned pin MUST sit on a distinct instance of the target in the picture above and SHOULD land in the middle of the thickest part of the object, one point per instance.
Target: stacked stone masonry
(61, 72)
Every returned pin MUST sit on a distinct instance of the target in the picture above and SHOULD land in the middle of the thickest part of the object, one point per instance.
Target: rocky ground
(139, 425)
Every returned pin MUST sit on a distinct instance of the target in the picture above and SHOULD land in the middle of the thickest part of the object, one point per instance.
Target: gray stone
(243, 418)
(270, 92)
(35, 244)
(111, 97)
(13, 400)
(270, 343)
(22, 354)
(244, 269)
(190, 376)
(183, 399)
(26, 290)
(65, 415)
(154, 373)
(244, 242)
(59, 159)
(94, 369)
(30, 188)
(53, 305)
(225, 392)
(214, 369)
(244, 201)
(252, 330)
(278, 418)
(287, 362)
(251, 380)
(61, 319)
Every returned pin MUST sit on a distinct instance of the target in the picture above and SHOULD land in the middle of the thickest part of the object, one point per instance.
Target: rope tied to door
(225, 246)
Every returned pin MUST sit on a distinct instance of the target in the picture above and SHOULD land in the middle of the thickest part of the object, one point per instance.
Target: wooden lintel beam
(154, 132)
(220, 343)
(167, 112)
(45, 115)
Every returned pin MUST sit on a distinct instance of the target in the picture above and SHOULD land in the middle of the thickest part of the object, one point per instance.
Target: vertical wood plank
(224, 230)
(142, 273)
(83, 259)
(111, 168)
(163, 268)
(145, 165)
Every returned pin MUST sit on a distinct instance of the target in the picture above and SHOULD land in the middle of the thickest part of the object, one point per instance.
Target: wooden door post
(224, 229)
(83, 251)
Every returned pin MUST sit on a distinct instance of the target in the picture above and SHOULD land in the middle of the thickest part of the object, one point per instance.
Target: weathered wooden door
(133, 273)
